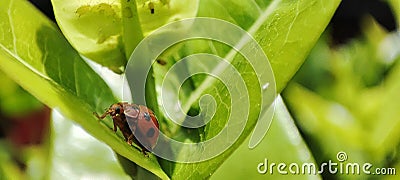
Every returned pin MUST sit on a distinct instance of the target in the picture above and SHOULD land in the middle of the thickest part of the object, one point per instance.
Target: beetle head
(116, 109)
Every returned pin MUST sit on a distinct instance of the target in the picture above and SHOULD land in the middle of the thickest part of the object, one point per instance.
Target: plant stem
(132, 32)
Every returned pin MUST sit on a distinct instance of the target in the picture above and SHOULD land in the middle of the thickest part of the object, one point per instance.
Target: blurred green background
(345, 97)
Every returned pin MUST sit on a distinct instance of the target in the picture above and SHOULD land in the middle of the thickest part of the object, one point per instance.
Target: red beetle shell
(136, 122)
(143, 124)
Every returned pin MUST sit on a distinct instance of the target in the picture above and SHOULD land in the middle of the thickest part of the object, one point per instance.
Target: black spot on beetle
(150, 132)
(147, 116)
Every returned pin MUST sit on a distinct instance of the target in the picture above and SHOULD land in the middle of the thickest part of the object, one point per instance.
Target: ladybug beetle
(136, 122)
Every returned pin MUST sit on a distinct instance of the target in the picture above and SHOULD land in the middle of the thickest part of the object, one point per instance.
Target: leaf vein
(294, 20)
(12, 27)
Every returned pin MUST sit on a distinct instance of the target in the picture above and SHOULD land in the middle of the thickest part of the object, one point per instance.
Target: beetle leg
(130, 138)
(144, 151)
(102, 116)
(115, 127)
(97, 115)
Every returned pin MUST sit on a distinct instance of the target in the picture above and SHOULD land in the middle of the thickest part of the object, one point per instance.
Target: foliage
(48, 64)
(346, 99)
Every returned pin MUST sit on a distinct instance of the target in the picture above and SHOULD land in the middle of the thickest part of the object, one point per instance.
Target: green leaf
(335, 126)
(108, 31)
(76, 155)
(8, 167)
(15, 101)
(94, 29)
(282, 144)
(35, 55)
(165, 11)
(395, 4)
(285, 30)
(352, 103)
